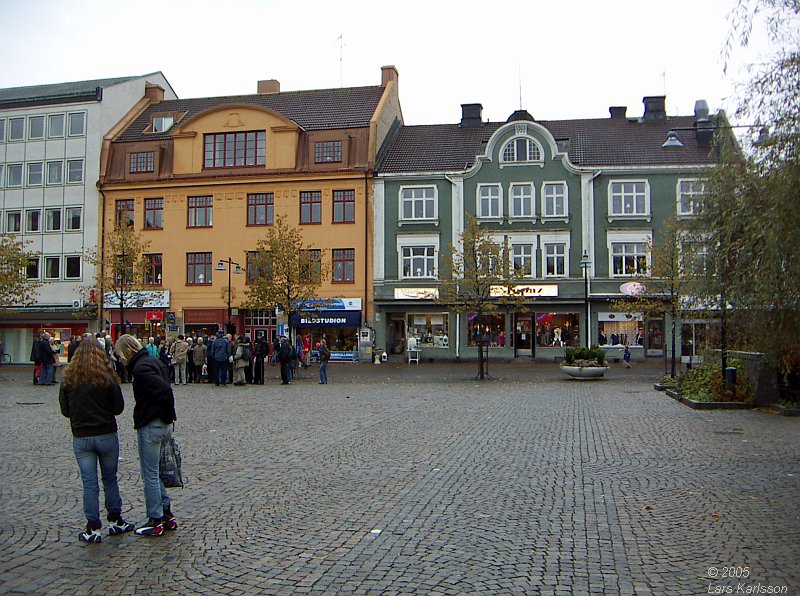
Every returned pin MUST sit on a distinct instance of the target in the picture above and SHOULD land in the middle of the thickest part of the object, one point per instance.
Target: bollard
(730, 378)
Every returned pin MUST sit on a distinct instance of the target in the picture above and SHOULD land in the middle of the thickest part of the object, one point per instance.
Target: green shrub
(706, 383)
(585, 356)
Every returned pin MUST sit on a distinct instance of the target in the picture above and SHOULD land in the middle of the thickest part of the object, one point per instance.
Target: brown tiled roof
(592, 142)
(322, 109)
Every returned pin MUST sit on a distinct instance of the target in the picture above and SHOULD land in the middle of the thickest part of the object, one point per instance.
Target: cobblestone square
(418, 479)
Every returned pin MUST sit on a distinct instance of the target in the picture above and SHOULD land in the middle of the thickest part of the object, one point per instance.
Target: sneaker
(119, 526)
(91, 535)
(169, 521)
(153, 527)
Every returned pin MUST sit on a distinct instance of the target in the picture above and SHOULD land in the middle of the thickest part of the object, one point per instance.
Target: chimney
(270, 86)
(153, 92)
(703, 128)
(388, 73)
(471, 115)
(618, 112)
(655, 108)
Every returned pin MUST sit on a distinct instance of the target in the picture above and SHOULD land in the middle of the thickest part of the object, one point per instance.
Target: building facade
(203, 179)
(577, 201)
(51, 139)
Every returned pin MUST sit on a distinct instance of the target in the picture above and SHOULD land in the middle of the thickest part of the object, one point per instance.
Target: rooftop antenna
(519, 75)
(340, 39)
(664, 80)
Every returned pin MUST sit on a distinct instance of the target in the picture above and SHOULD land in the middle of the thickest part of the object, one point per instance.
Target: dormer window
(162, 123)
(521, 149)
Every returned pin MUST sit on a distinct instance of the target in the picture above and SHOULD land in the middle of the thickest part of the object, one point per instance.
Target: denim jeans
(221, 372)
(88, 451)
(151, 440)
(323, 372)
(48, 371)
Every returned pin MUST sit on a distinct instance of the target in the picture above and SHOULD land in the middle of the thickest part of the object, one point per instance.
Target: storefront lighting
(585, 264)
(221, 267)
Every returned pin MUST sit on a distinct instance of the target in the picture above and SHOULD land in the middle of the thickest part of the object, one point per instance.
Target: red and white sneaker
(170, 522)
(153, 527)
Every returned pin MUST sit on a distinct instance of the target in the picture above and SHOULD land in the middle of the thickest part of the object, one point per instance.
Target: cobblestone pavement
(405, 479)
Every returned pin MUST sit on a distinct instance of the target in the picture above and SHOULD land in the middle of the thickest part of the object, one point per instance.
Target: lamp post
(586, 262)
(221, 267)
(122, 278)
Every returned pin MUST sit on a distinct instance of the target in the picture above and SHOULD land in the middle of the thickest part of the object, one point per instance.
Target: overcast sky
(565, 59)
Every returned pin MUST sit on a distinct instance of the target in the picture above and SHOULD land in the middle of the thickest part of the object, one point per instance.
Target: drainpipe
(366, 246)
(102, 275)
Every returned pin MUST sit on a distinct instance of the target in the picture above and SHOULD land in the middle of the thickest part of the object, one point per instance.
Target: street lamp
(221, 267)
(122, 279)
(586, 262)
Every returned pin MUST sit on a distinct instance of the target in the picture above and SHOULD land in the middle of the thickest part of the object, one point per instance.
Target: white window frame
(512, 142)
(628, 237)
(28, 229)
(15, 167)
(565, 188)
(695, 196)
(11, 122)
(8, 214)
(163, 123)
(38, 262)
(531, 200)
(2, 130)
(80, 266)
(68, 219)
(30, 170)
(2, 171)
(403, 200)
(50, 258)
(546, 240)
(417, 241)
(53, 118)
(479, 201)
(49, 168)
(69, 171)
(72, 117)
(31, 119)
(612, 215)
(48, 219)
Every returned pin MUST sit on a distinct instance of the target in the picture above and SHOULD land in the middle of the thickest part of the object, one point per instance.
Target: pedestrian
(219, 352)
(626, 356)
(324, 357)
(152, 347)
(36, 357)
(74, 342)
(276, 346)
(199, 359)
(48, 356)
(179, 356)
(190, 359)
(243, 353)
(248, 369)
(153, 418)
(261, 351)
(91, 397)
(286, 358)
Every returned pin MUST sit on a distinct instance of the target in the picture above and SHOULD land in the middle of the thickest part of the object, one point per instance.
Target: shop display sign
(549, 291)
(416, 293)
(138, 299)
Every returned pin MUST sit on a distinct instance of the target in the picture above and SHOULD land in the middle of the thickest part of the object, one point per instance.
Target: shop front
(134, 315)
(203, 322)
(337, 320)
(19, 328)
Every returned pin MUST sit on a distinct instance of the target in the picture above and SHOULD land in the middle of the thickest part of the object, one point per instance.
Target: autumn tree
(15, 288)
(479, 276)
(284, 272)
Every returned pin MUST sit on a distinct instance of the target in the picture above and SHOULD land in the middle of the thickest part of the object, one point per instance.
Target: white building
(51, 140)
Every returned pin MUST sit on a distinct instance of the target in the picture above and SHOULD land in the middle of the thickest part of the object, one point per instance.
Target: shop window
(428, 330)
(615, 329)
(486, 330)
(557, 330)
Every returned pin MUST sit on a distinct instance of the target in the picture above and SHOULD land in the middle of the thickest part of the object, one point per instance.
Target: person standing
(199, 359)
(179, 353)
(244, 351)
(261, 352)
(48, 356)
(285, 358)
(219, 352)
(90, 396)
(152, 347)
(324, 357)
(153, 418)
(190, 359)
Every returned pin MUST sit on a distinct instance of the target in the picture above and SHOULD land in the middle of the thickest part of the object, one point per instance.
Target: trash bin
(730, 377)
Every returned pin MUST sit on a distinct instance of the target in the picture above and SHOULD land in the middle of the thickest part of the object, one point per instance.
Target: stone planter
(715, 405)
(784, 411)
(584, 372)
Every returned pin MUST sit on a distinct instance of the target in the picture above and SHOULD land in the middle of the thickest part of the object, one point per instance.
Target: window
(55, 172)
(52, 220)
(260, 209)
(36, 127)
(311, 207)
(35, 174)
(419, 261)
(629, 198)
(554, 199)
(152, 272)
(153, 214)
(344, 206)
(344, 265)
(256, 267)
(487, 330)
(555, 257)
(2, 131)
(521, 149)
(521, 200)
(16, 129)
(418, 202)
(430, 330)
(73, 218)
(489, 201)
(629, 258)
(198, 268)
(239, 149)
(13, 221)
(55, 126)
(33, 220)
(74, 170)
(77, 124)
(72, 267)
(142, 162)
(696, 258)
(328, 152)
(200, 212)
(690, 196)
(32, 270)
(311, 265)
(162, 123)
(124, 213)
(14, 175)
(522, 258)
(52, 267)
(1, 176)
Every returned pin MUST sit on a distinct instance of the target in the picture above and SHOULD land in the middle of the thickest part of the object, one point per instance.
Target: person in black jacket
(153, 417)
(91, 398)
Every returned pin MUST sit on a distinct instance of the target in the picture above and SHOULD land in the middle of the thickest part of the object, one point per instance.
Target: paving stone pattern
(398, 479)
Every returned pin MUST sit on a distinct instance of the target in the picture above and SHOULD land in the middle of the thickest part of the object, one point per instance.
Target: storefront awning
(327, 318)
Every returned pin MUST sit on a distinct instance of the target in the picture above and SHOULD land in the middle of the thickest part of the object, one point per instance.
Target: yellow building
(202, 179)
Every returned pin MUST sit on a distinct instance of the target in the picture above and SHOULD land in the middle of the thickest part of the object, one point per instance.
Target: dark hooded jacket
(151, 390)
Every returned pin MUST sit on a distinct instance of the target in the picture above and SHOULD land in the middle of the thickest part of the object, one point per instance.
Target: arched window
(521, 149)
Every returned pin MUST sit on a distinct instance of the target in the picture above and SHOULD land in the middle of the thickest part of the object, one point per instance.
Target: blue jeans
(221, 372)
(152, 439)
(47, 374)
(323, 372)
(88, 451)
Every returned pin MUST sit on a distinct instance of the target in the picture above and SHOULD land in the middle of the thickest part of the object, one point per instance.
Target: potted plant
(585, 363)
